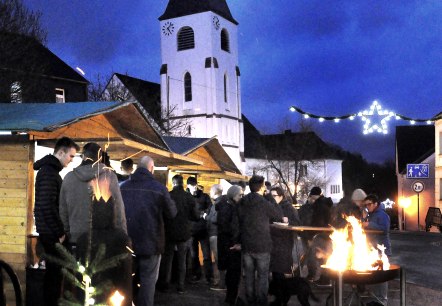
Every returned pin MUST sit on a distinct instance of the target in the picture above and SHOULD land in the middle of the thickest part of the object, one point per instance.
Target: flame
(101, 188)
(352, 251)
(116, 299)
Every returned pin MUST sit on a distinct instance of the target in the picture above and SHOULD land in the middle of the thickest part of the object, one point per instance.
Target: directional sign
(418, 171)
(418, 187)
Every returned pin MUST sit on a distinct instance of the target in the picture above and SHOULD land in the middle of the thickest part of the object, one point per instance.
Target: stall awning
(121, 128)
(216, 162)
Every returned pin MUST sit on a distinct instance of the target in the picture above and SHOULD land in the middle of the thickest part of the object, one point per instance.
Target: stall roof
(217, 162)
(121, 125)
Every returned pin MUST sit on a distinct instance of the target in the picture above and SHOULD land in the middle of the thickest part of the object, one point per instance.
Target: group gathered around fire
(246, 252)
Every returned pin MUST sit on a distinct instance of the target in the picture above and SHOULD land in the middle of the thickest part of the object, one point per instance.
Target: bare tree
(111, 88)
(16, 18)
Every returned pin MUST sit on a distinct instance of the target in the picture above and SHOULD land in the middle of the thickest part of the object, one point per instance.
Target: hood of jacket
(87, 172)
(49, 160)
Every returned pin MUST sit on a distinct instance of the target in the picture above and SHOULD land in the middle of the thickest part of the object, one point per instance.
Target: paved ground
(419, 253)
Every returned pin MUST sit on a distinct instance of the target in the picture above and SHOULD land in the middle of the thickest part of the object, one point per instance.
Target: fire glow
(352, 251)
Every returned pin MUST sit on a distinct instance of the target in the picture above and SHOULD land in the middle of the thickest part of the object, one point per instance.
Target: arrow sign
(418, 171)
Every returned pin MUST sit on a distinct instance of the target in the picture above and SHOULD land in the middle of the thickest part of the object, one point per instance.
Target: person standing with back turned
(147, 203)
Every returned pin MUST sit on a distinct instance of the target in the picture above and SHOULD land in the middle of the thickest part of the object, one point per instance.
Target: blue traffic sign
(418, 171)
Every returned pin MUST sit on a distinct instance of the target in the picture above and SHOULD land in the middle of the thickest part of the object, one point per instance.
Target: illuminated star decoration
(370, 124)
(375, 119)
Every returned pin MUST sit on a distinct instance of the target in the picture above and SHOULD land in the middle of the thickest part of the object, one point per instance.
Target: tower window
(225, 88)
(225, 45)
(16, 93)
(189, 130)
(187, 87)
(186, 39)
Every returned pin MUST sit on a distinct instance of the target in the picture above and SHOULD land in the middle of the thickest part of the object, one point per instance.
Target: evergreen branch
(110, 263)
(101, 253)
(72, 278)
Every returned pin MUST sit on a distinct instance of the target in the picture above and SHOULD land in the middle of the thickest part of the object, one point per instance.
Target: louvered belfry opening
(186, 39)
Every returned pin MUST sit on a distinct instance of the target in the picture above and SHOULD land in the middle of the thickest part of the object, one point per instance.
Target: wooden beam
(181, 159)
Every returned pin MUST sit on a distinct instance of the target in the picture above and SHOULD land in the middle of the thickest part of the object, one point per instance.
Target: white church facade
(200, 76)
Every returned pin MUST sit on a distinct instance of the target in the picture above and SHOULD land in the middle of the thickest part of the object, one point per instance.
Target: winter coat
(47, 192)
(345, 207)
(321, 211)
(379, 220)
(255, 215)
(76, 196)
(147, 203)
(281, 259)
(179, 228)
(212, 216)
(199, 228)
(228, 230)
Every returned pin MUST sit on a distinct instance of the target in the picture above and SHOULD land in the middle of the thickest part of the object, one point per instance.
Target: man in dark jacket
(229, 255)
(199, 232)
(255, 215)
(178, 234)
(147, 203)
(46, 211)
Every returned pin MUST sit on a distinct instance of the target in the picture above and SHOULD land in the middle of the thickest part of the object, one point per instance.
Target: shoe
(181, 291)
(217, 288)
(194, 279)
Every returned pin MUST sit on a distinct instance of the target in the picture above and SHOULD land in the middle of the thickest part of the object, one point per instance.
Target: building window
(225, 45)
(335, 189)
(16, 93)
(189, 130)
(59, 95)
(186, 39)
(187, 87)
(225, 88)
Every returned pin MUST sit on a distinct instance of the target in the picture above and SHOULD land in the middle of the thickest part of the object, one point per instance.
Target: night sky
(329, 58)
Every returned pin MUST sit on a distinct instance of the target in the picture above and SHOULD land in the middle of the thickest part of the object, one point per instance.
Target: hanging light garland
(375, 118)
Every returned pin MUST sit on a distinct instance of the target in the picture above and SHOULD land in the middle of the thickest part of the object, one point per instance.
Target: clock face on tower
(168, 28)
(216, 23)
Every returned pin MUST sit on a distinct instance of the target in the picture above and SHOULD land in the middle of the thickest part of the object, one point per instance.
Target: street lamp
(404, 203)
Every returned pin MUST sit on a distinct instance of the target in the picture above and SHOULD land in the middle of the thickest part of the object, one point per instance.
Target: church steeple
(180, 8)
(200, 76)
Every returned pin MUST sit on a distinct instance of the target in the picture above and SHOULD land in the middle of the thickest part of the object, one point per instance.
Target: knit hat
(358, 195)
(315, 191)
(233, 191)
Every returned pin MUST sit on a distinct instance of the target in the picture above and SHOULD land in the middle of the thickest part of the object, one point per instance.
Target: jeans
(207, 260)
(148, 268)
(258, 262)
(214, 251)
(166, 263)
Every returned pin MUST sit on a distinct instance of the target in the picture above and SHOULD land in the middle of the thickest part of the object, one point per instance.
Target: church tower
(200, 76)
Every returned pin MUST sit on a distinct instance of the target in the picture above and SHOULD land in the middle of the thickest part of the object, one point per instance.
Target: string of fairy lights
(375, 118)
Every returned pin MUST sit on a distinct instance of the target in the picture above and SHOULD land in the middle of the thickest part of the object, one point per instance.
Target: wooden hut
(120, 126)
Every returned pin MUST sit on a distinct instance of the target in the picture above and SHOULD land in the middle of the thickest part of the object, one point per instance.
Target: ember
(352, 251)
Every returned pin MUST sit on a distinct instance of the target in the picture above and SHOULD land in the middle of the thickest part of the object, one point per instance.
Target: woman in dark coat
(281, 260)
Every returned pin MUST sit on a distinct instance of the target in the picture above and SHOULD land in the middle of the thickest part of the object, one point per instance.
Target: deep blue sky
(326, 57)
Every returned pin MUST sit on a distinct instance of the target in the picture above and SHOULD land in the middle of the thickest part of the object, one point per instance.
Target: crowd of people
(167, 231)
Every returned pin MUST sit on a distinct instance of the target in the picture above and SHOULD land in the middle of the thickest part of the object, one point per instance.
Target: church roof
(413, 144)
(179, 8)
(148, 94)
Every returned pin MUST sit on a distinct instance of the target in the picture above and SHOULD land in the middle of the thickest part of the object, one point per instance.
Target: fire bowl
(365, 277)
